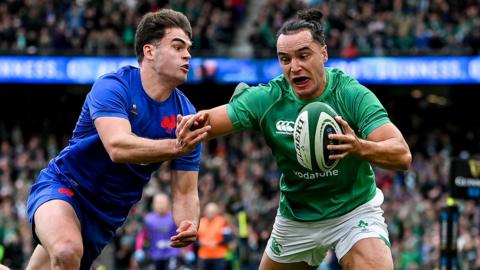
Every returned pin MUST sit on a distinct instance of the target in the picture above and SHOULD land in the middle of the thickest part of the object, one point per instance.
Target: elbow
(116, 155)
(405, 162)
(115, 152)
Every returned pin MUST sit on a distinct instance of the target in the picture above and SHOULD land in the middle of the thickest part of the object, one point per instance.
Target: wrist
(194, 224)
(363, 148)
(176, 150)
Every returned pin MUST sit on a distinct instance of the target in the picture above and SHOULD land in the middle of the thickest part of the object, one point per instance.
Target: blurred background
(420, 57)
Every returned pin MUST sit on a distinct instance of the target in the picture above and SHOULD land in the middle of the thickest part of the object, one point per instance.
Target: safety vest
(211, 231)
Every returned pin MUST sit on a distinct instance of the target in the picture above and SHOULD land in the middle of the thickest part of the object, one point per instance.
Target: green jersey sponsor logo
(276, 247)
(316, 175)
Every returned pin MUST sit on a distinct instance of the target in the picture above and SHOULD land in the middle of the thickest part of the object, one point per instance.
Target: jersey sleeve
(188, 162)
(108, 97)
(246, 107)
(366, 110)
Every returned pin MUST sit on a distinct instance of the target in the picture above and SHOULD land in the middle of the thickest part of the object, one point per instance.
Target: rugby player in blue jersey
(130, 122)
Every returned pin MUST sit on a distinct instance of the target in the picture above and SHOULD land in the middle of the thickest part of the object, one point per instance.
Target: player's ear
(324, 53)
(148, 51)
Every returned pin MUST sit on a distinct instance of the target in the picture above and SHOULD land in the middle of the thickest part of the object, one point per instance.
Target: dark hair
(310, 19)
(153, 25)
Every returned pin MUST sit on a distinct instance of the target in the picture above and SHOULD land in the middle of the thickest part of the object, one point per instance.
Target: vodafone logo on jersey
(284, 127)
(316, 175)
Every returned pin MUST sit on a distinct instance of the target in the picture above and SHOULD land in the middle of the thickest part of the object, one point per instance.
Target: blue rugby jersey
(106, 189)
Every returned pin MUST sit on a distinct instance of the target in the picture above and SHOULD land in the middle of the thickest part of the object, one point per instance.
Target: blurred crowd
(381, 27)
(239, 175)
(106, 27)
(352, 28)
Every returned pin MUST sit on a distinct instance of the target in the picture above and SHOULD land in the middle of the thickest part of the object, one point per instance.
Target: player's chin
(181, 78)
(183, 74)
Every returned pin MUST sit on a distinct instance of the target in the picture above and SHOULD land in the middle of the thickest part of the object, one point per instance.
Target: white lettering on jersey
(316, 175)
(284, 127)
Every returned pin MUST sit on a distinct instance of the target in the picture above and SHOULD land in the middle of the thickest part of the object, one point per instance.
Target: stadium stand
(379, 28)
(354, 28)
(106, 27)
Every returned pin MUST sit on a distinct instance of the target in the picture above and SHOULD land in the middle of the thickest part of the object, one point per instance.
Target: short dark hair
(310, 19)
(153, 25)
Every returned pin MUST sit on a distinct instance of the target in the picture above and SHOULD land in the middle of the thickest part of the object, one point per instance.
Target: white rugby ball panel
(301, 137)
(312, 127)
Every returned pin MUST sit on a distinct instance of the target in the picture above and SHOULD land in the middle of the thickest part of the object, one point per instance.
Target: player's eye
(284, 60)
(304, 56)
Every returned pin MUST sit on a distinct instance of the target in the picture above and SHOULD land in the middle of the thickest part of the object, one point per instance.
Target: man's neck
(157, 88)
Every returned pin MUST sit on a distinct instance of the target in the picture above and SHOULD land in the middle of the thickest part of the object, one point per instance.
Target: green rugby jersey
(312, 195)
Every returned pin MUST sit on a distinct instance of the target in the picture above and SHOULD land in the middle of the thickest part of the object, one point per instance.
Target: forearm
(219, 121)
(125, 147)
(186, 207)
(392, 154)
(131, 149)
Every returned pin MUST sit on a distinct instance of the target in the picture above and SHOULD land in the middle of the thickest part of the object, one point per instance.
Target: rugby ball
(314, 123)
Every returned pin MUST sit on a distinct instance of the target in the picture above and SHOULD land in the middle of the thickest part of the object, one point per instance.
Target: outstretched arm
(384, 147)
(124, 147)
(218, 120)
(186, 207)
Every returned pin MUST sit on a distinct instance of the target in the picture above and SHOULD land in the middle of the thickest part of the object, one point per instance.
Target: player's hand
(186, 234)
(348, 143)
(201, 120)
(187, 138)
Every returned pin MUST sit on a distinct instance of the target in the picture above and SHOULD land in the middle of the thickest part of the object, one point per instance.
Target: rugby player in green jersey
(318, 211)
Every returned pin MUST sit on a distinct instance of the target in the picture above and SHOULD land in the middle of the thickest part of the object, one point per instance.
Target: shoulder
(123, 77)
(340, 79)
(276, 86)
(345, 84)
(274, 89)
(126, 73)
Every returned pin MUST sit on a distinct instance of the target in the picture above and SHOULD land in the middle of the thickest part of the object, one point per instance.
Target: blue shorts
(95, 234)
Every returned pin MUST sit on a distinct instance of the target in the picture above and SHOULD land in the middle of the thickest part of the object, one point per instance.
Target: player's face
(302, 60)
(171, 56)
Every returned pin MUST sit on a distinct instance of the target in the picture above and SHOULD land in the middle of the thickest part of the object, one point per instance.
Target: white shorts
(294, 241)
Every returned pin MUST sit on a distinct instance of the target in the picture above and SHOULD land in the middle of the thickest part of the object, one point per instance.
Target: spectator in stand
(214, 234)
(158, 227)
